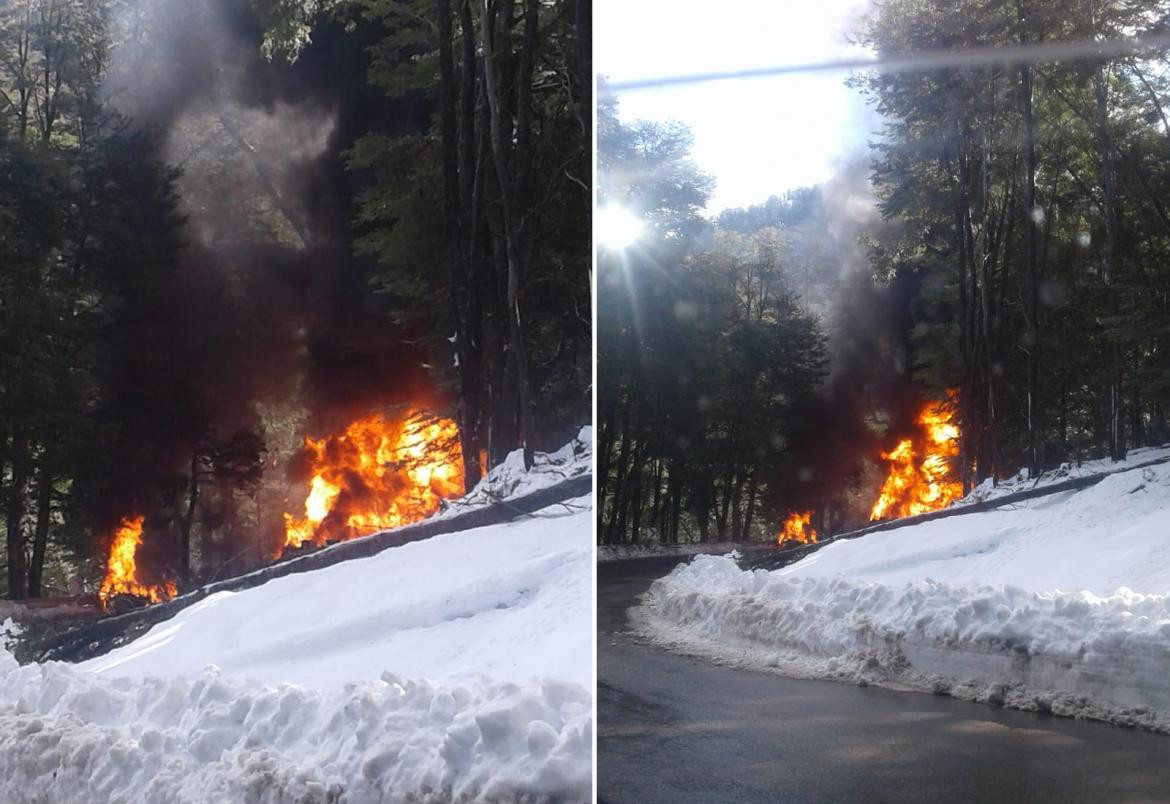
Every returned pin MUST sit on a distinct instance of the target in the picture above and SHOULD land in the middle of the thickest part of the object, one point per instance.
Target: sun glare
(617, 227)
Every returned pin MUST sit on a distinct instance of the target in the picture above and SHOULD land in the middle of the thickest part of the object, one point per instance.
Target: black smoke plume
(262, 305)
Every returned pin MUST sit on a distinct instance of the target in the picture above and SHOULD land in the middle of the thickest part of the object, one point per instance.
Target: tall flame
(121, 567)
(378, 473)
(796, 529)
(920, 479)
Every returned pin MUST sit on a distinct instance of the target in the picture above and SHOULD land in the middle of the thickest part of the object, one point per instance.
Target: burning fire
(121, 568)
(920, 477)
(797, 529)
(379, 473)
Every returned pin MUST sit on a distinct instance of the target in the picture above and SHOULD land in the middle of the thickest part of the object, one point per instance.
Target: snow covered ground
(1060, 604)
(510, 479)
(455, 668)
(1067, 471)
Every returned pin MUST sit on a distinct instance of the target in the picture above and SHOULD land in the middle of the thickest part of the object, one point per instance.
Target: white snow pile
(454, 668)
(1060, 604)
(67, 735)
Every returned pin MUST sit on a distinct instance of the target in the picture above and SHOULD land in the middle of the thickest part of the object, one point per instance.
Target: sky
(758, 137)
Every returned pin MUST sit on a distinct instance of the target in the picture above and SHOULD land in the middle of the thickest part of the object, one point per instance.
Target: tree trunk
(583, 30)
(512, 195)
(1030, 224)
(675, 500)
(737, 508)
(724, 509)
(637, 499)
(966, 406)
(982, 259)
(655, 511)
(619, 479)
(14, 516)
(188, 520)
(41, 531)
(604, 447)
(456, 199)
(753, 488)
(632, 486)
(1109, 211)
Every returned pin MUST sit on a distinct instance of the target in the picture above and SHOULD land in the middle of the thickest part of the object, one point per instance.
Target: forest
(229, 227)
(1014, 271)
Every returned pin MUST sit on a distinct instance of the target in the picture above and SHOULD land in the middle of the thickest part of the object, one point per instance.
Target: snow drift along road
(1061, 604)
(452, 668)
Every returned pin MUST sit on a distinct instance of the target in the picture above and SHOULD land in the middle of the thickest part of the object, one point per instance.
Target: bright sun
(617, 227)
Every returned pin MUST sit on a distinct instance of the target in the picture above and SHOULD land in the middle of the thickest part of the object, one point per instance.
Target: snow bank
(454, 668)
(621, 552)
(507, 602)
(67, 735)
(1061, 604)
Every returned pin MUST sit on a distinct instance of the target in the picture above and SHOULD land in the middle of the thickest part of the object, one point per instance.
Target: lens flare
(617, 227)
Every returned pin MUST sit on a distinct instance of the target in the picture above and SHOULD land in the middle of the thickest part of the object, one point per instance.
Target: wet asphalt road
(675, 729)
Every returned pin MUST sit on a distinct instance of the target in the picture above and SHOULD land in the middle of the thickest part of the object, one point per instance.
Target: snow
(9, 631)
(457, 667)
(67, 735)
(510, 479)
(621, 552)
(507, 602)
(1060, 603)
(989, 490)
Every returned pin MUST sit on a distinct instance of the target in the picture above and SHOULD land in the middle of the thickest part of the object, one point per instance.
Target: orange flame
(920, 479)
(796, 529)
(379, 473)
(121, 568)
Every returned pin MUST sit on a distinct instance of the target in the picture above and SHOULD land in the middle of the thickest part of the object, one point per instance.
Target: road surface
(676, 729)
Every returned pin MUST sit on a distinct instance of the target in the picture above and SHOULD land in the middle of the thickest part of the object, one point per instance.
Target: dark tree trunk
(637, 500)
(632, 487)
(604, 447)
(619, 480)
(724, 509)
(583, 29)
(40, 531)
(456, 199)
(982, 259)
(753, 488)
(14, 516)
(1116, 424)
(511, 176)
(675, 500)
(966, 407)
(188, 519)
(1030, 224)
(737, 508)
(655, 511)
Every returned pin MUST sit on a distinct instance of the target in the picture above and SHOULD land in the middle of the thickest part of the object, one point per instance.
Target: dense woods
(225, 223)
(1032, 198)
(1020, 258)
(705, 354)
